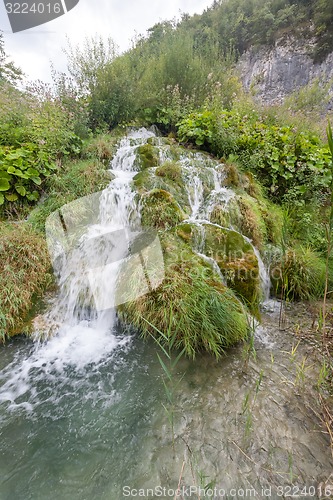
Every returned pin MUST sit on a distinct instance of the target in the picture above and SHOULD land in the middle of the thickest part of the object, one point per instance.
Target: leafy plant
(292, 166)
(21, 172)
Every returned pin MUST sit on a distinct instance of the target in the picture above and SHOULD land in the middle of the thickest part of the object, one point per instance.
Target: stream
(84, 415)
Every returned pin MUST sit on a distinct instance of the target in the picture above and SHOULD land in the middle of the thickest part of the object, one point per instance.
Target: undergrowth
(25, 274)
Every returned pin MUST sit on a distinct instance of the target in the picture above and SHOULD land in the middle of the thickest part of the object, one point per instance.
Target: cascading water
(84, 314)
(202, 207)
(81, 414)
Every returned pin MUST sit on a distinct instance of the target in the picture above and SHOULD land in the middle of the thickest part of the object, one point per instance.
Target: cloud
(34, 49)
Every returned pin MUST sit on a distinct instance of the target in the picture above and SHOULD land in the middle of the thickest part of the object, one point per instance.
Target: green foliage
(36, 131)
(21, 170)
(198, 128)
(292, 166)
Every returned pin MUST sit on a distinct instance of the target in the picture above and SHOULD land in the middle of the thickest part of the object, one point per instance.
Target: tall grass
(205, 314)
(24, 274)
(298, 274)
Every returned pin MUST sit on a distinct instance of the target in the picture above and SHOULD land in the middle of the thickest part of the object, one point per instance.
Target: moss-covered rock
(147, 156)
(204, 313)
(227, 215)
(252, 223)
(172, 172)
(145, 181)
(234, 256)
(273, 217)
(160, 210)
(232, 176)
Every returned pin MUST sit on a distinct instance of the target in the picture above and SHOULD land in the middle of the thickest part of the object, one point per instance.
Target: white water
(83, 317)
(202, 207)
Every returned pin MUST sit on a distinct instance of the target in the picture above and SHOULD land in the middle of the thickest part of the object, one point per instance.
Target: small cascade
(195, 196)
(265, 279)
(202, 207)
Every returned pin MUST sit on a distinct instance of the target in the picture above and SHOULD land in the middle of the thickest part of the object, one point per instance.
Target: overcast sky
(33, 50)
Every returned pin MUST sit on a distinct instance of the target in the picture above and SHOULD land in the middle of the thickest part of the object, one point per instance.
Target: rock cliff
(272, 73)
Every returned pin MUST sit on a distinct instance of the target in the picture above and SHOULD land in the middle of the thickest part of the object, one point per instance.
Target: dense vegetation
(181, 78)
(241, 24)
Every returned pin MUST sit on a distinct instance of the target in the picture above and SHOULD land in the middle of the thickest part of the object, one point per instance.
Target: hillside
(241, 24)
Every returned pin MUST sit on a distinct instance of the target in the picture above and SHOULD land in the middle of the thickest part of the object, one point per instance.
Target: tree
(9, 73)
(85, 63)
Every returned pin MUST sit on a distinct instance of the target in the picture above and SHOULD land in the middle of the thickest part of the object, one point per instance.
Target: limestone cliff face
(273, 73)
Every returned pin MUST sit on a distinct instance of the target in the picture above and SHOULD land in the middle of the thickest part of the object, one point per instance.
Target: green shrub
(290, 165)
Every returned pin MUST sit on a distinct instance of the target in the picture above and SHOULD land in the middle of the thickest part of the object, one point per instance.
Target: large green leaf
(11, 197)
(32, 172)
(36, 180)
(21, 190)
(19, 173)
(2, 199)
(5, 175)
(4, 185)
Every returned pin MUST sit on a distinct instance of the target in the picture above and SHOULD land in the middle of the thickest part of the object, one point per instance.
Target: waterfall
(97, 248)
(202, 207)
(90, 241)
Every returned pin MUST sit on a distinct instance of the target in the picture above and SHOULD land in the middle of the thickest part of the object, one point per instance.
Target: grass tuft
(206, 315)
(25, 273)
